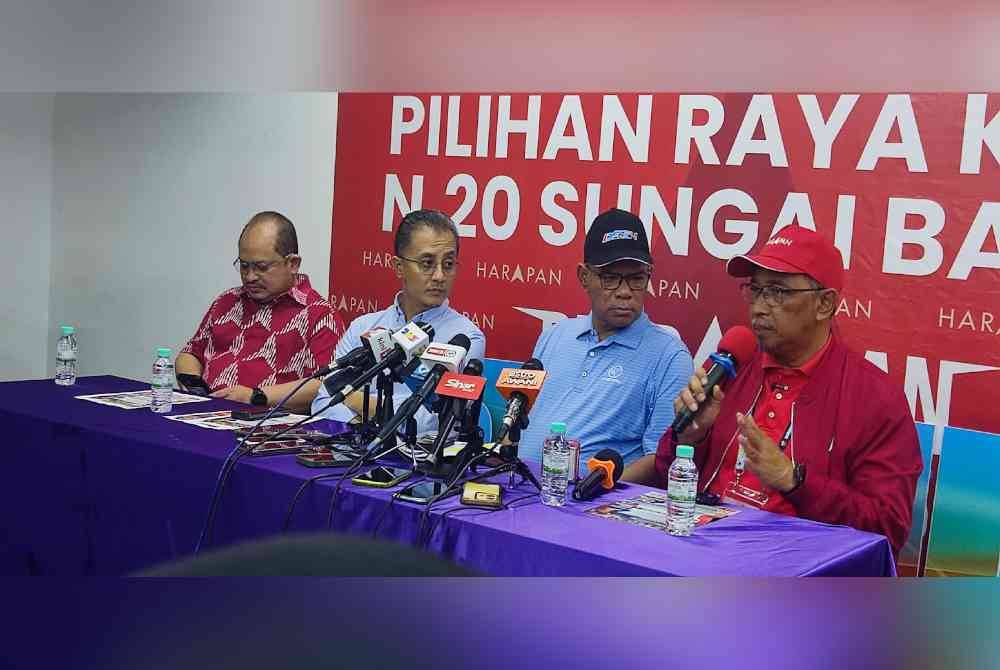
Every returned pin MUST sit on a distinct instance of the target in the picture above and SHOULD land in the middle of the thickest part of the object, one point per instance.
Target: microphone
(520, 386)
(606, 469)
(458, 395)
(377, 346)
(443, 358)
(735, 348)
(408, 343)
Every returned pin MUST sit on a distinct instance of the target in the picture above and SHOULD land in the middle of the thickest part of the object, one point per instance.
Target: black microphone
(520, 392)
(443, 357)
(606, 469)
(735, 348)
(409, 342)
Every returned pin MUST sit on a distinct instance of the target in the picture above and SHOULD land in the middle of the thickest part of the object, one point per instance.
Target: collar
(630, 336)
(299, 292)
(807, 368)
(427, 316)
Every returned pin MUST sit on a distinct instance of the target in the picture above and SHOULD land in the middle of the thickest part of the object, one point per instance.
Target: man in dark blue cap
(612, 373)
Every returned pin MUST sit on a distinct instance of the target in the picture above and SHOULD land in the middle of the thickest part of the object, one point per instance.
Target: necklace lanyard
(783, 443)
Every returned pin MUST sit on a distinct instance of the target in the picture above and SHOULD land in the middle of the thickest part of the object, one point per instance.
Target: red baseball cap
(794, 250)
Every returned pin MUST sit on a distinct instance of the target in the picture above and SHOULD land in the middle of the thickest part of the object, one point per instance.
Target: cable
(385, 510)
(230, 463)
(479, 511)
(298, 495)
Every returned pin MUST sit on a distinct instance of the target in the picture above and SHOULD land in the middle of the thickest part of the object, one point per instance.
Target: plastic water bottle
(66, 351)
(555, 466)
(163, 382)
(682, 489)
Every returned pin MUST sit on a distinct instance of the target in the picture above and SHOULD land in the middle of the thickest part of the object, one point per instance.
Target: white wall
(150, 195)
(26, 194)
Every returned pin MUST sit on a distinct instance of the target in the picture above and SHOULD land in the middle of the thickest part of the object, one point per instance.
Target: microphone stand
(508, 454)
(453, 412)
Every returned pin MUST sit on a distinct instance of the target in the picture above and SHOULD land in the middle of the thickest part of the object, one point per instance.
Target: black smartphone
(255, 413)
(382, 477)
(422, 492)
(193, 384)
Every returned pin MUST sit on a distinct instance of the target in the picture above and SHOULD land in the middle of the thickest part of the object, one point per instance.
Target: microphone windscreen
(739, 341)
(615, 458)
(426, 327)
(474, 367)
(461, 340)
(532, 364)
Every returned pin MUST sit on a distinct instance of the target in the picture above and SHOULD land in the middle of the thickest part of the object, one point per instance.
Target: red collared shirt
(773, 414)
(243, 342)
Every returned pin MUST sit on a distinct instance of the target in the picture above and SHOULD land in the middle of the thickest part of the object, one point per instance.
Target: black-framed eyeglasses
(427, 266)
(772, 294)
(259, 267)
(610, 281)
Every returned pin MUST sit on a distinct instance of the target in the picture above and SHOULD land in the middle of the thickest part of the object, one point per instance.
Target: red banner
(905, 185)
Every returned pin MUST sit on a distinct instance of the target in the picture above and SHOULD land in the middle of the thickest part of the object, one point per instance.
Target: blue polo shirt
(616, 394)
(447, 324)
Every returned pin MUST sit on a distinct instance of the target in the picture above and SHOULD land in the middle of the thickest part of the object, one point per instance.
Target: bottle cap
(68, 330)
(685, 451)
(558, 427)
(163, 352)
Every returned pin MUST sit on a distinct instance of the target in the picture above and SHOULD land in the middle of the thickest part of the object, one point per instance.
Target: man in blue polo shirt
(426, 263)
(612, 374)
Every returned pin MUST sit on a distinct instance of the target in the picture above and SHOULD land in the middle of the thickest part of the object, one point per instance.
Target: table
(94, 490)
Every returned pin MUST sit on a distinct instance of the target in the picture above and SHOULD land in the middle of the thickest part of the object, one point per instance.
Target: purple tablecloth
(91, 489)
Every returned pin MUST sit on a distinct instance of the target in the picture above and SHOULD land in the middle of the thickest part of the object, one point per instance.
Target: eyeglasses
(773, 295)
(427, 266)
(610, 281)
(259, 267)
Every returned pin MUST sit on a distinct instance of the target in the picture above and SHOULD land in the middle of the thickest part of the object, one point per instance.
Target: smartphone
(382, 477)
(325, 459)
(422, 492)
(193, 384)
(255, 413)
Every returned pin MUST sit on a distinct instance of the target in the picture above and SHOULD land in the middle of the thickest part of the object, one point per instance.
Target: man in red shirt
(808, 427)
(258, 340)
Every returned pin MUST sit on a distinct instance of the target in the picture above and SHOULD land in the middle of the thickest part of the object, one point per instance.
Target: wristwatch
(258, 398)
(799, 475)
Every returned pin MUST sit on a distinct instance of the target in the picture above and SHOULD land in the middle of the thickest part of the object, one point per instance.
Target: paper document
(137, 399)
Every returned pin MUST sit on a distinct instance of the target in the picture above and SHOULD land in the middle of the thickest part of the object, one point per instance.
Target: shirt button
(778, 395)
(770, 415)
(584, 373)
(591, 354)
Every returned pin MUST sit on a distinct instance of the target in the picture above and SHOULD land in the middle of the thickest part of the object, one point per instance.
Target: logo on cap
(779, 240)
(619, 235)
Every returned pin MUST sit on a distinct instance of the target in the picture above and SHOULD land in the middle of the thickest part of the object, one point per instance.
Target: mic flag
(463, 387)
(520, 386)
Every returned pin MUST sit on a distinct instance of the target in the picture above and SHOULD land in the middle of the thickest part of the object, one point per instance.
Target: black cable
(480, 510)
(230, 463)
(385, 510)
(298, 495)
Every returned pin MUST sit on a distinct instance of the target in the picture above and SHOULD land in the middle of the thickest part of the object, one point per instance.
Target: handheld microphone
(520, 386)
(408, 343)
(735, 348)
(606, 469)
(444, 358)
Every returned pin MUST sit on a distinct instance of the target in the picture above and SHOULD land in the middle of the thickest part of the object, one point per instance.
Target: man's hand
(237, 393)
(763, 456)
(694, 397)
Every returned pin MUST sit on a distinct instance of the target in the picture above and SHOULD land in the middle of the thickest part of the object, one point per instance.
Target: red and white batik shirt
(243, 342)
